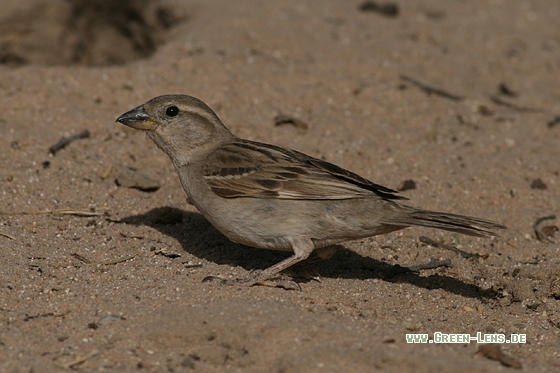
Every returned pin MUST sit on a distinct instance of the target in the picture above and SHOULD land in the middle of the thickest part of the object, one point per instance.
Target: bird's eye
(172, 111)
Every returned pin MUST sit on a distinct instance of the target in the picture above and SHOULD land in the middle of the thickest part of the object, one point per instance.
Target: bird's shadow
(199, 238)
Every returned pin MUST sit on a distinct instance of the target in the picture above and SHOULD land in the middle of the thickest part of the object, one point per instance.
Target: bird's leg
(302, 249)
(317, 255)
(320, 254)
(266, 277)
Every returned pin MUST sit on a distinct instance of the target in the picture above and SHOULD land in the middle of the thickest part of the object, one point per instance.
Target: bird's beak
(138, 119)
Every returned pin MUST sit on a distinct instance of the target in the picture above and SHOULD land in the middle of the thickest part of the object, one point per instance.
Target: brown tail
(449, 222)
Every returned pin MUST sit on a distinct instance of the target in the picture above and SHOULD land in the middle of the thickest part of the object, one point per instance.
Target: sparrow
(268, 197)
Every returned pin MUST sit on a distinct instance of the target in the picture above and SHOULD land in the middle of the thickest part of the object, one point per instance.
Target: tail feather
(450, 222)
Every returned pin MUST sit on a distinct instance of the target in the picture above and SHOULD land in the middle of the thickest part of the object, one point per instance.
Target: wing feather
(251, 169)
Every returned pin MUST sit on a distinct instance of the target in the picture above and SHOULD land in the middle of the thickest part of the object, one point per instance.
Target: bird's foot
(256, 278)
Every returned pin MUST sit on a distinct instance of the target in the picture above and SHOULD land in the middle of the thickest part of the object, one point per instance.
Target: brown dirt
(120, 290)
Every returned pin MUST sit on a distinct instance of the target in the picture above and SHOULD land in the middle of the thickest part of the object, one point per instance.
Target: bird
(265, 196)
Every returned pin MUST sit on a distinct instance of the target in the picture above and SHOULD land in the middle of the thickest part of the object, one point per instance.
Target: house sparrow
(264, 196)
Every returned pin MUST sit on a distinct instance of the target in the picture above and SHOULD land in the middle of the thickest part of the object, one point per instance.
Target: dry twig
(77, 212)
(429, 90)
(281, 119)
(439, 245)
(432, 264)
(67, 140)
(7, 235)
(541, 235)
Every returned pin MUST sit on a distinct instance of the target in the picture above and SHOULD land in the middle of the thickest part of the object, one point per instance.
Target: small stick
(65, 141)
(77, 212)
(288, 119)
(515, 107)
(81, 258)
(111, 262)
(541, 236)
(80, 360)
(107, 173)
(432, 264)
(464, 254)
(7, 235)
(554, 121)
(197, 265)
(429, 90)
(80, 212)
(387, 9)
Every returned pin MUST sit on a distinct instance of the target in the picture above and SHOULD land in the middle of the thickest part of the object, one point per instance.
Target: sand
(460, 97)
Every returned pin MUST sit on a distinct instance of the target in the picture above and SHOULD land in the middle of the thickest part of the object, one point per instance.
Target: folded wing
(251, 169)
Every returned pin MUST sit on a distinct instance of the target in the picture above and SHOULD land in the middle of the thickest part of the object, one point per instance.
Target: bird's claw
(253, 279)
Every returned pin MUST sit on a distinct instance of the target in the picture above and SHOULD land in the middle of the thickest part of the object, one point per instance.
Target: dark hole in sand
(83, 32)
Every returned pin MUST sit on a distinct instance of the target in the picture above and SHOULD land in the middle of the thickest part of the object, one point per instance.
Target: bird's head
(180, 125)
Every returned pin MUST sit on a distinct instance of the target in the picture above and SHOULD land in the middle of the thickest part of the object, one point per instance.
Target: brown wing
(251, 169)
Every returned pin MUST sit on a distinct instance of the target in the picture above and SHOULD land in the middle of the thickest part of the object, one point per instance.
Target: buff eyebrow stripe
(202, 112)
(202, 117)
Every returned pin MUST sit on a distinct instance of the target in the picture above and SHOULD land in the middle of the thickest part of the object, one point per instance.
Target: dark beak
(138, 119)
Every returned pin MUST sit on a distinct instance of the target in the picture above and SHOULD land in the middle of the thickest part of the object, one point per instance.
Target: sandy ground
(100, 277)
